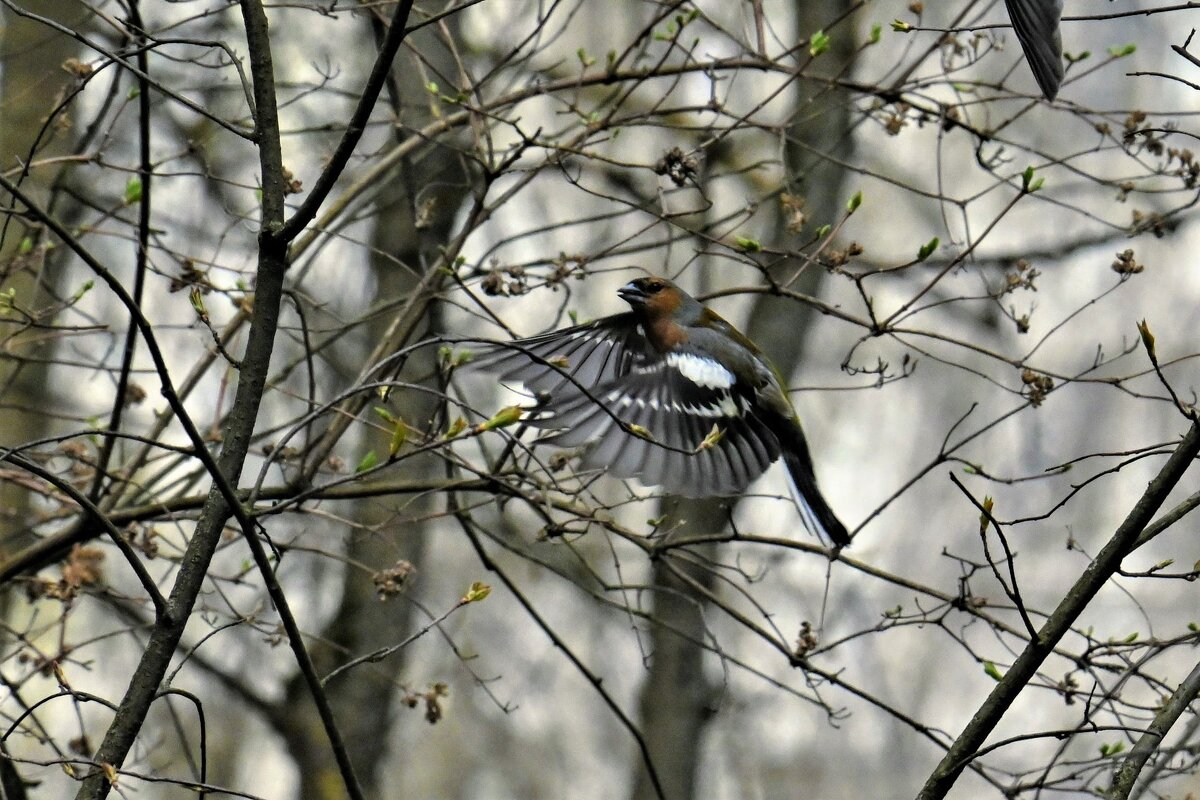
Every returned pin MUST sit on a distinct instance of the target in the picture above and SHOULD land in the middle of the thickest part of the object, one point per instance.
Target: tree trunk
(676, 698)
(30, 84)
(30, 81)
(366, 699)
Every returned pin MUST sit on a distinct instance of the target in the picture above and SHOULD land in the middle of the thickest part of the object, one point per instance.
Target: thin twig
(989, 714)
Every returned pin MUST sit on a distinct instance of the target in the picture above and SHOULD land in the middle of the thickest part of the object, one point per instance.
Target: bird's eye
(653, 287)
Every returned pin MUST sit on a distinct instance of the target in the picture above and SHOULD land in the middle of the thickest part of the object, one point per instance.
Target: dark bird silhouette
(672, 394)
(1036, 26)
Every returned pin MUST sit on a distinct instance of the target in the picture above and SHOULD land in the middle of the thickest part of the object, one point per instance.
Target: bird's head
(654, 296)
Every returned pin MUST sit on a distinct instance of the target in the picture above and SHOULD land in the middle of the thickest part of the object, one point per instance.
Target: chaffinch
(672, 394)
(1036, 26)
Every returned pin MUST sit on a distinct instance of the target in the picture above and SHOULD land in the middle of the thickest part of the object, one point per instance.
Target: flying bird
(1036, 26)
(672, 394)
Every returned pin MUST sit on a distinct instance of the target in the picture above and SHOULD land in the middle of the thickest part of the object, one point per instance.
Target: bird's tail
(816, 514)
(1036, 25)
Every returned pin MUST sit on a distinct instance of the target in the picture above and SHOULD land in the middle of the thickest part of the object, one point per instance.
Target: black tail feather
(813, 507)
(1036, 25)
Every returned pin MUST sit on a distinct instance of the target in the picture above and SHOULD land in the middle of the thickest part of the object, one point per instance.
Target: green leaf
(368, 461)
(993, 671)
(133, 191)
(823, 231)
(668, 32)
(713, 438)
(984, 518)
(928, 249)
(133, 92)
(747, 244)
(876, 33)
(1028, 184)
(640, 432)
(818, 43)
(196, 298)
(900, 26)
(1147, 337)
(584, 58)
(384, 414)
(504, 417)
(1120, 51)
(26, 246)
(478, 591)
(855, 202)
(399, 437)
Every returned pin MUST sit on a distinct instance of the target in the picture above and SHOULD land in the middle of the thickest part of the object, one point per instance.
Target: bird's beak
(631, 294)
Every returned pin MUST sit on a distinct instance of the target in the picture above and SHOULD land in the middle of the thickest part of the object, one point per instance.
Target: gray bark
(676, 697)
(367, 699)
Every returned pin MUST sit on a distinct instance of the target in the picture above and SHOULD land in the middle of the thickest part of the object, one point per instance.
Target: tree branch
(1149, 741)
(1107, 562)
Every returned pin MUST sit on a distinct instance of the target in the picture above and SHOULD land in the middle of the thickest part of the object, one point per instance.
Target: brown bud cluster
(680, 167)
(1126, 264)
(390, 582)
(1035, 387)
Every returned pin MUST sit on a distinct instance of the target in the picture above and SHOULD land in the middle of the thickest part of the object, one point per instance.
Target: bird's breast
(664, 334)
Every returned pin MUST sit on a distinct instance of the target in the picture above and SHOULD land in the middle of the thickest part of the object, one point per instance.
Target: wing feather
(558, 362)
(1036, 23)
(593, 375)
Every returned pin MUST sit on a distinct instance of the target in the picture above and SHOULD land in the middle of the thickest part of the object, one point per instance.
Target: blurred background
(949, 270)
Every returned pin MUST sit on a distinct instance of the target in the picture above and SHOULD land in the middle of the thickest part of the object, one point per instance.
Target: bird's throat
(664, 334)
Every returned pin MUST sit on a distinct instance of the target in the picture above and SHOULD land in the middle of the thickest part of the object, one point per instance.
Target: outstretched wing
(599, 380)
(678, 399)
(559, 362)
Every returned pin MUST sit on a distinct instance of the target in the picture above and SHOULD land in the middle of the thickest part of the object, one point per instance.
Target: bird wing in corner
(1036, 25)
